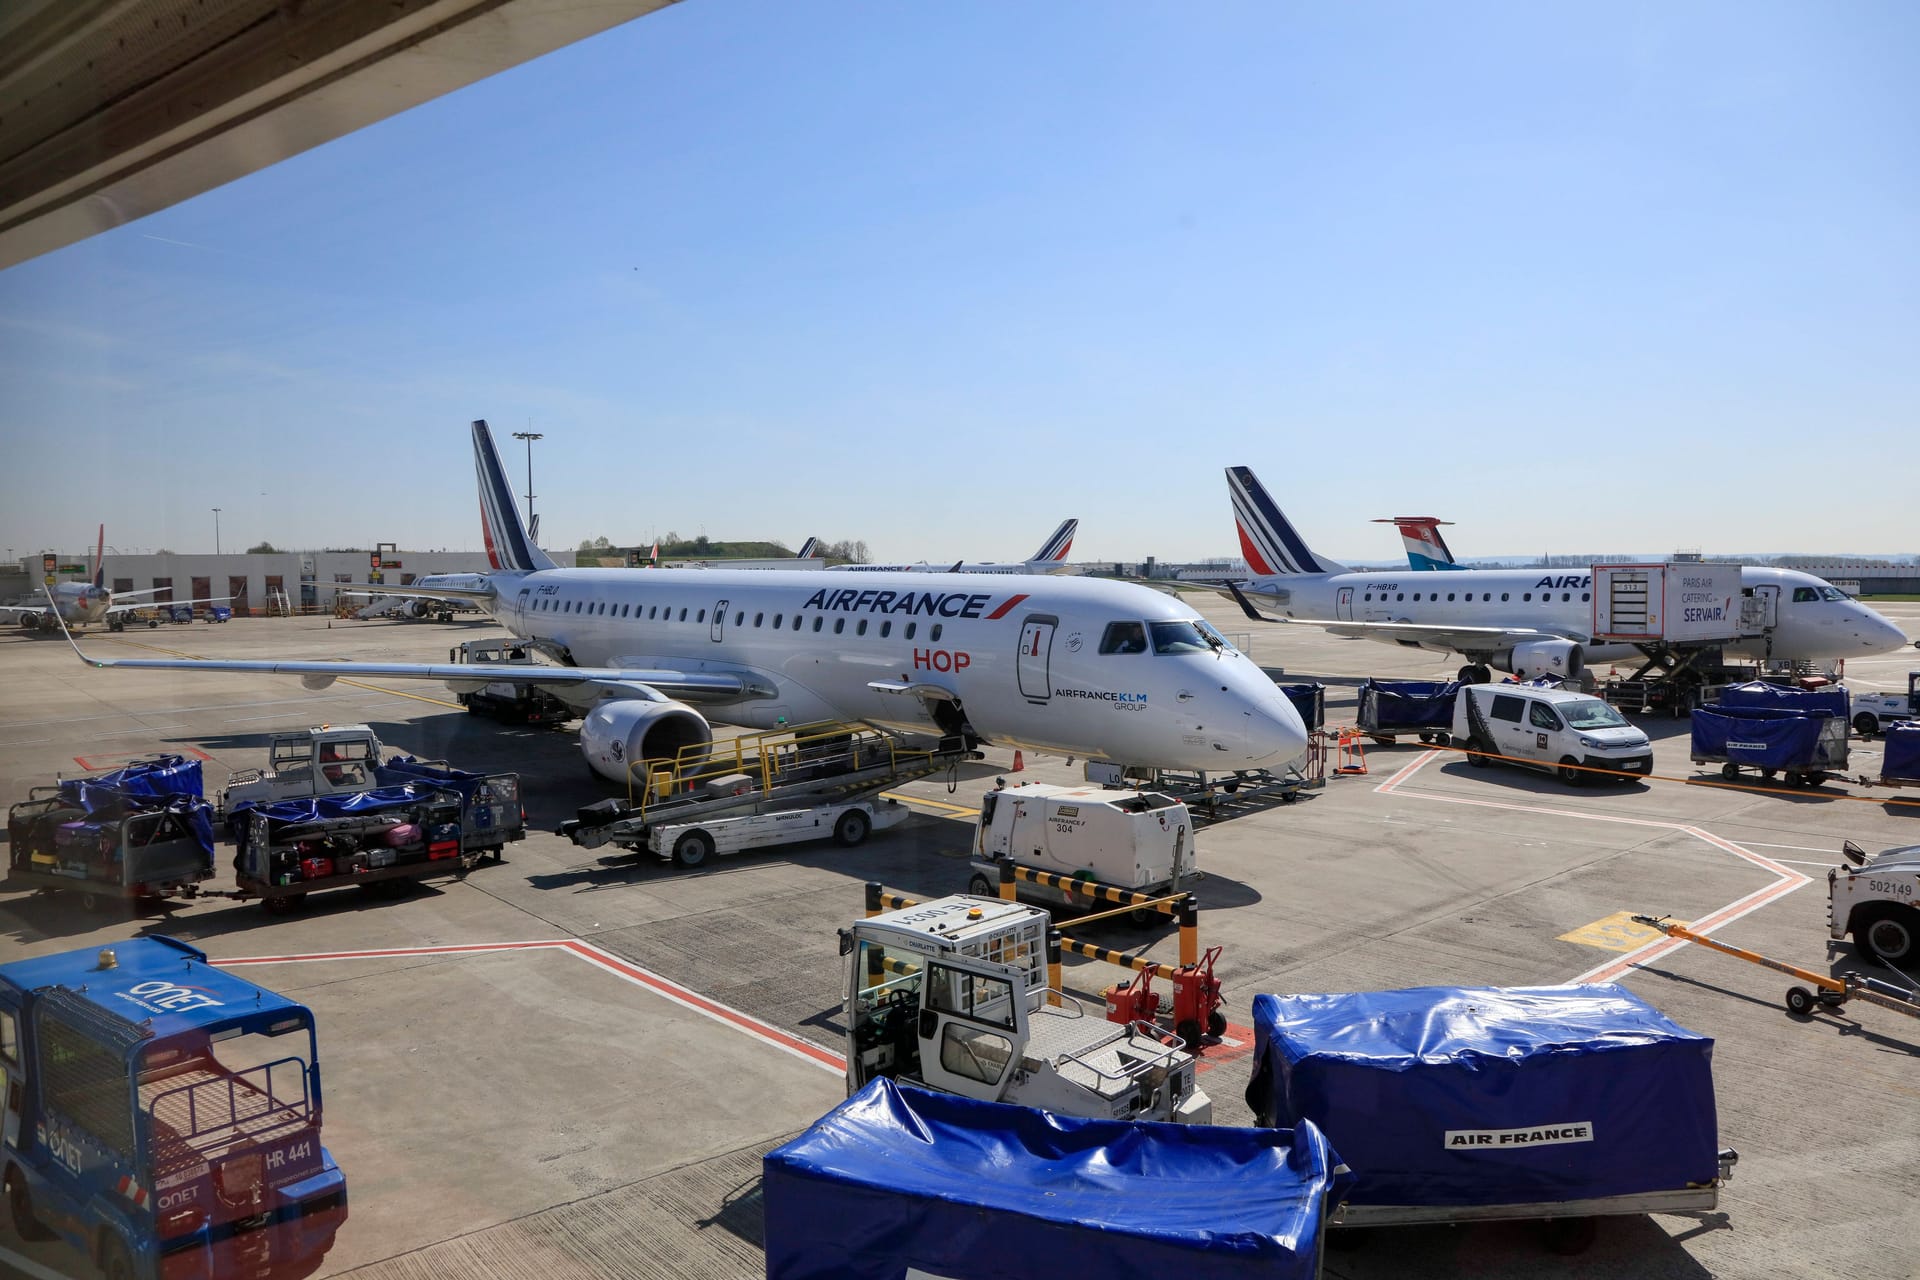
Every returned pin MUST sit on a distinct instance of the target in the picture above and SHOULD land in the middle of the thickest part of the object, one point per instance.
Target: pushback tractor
(163, 1116)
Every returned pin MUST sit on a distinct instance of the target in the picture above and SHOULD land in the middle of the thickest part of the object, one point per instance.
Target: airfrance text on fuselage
(944, 604)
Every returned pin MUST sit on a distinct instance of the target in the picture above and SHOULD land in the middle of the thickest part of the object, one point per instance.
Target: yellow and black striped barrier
(1182, 907)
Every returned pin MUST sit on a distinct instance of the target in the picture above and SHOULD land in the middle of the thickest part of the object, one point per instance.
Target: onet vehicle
(1557, 730)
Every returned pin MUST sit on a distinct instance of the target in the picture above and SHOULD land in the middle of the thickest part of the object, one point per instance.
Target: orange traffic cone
(1019, 764)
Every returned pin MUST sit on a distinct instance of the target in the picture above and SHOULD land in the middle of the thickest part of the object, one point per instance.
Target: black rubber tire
(1570, 773)
(1189, 1031)
(1216, 1023)
(279, 905)
(20, 1209)
(852, 828)
(1479, 755)
(1770, 774)
(693, 848)
(981, 887)
(1886, 933)
(1442, 739)
(1570, 1236)
(115, 1262)
(1801, 1001)
(1866, 724)
(1143, 917)
(1730, 771)
(1426, 737)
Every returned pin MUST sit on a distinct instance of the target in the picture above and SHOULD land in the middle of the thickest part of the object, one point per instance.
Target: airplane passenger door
(1343, 608)
(521, 605)
(719, 621)
(1036, 650)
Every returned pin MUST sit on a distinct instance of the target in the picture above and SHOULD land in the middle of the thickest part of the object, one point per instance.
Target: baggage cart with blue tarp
(1807, 747)
(163, 1117)
(897, 1181)
(1390, 707)
(1833, 699)
(1455, 1104)
(1900, 757)
(141, 832)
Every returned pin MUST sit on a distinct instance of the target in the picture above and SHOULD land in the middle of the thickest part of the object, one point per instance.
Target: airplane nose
(1275, 731)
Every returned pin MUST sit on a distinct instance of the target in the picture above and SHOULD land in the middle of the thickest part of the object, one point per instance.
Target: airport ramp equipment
(1833, 700)
(1310, 700)
(1900, 758)
(158, 777)
(1390, 707)
(1807, 747)
(898, 1181)
(1459, 1103)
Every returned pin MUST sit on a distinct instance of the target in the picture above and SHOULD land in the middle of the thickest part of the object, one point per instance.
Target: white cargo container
(1684, 602)
(1139, 840)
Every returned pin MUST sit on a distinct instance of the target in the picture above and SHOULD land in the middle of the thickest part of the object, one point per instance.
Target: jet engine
(619, 736)
(1533, 658)
(418, 608)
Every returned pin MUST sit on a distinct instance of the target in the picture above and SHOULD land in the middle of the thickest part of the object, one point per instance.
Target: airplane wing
(1460, 638)
(456, 595)
(585, 684)
(15, 612)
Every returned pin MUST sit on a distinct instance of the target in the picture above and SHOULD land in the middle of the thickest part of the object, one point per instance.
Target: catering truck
(163, 1116)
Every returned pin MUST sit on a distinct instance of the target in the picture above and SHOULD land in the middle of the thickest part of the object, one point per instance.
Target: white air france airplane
(1105, 670)
(1050, 558)
(81, 604)
(1530, 622)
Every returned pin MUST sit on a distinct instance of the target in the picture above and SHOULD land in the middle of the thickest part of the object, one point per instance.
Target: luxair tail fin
(1055, 548)
(808, 549)
(1426, 549)
(100, 560)
(1271, 546)
(508, 546)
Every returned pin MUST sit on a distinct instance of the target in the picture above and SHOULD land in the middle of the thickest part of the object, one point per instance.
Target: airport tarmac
(597, 1106)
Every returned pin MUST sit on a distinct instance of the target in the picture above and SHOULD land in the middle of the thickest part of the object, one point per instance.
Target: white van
(1553, 729)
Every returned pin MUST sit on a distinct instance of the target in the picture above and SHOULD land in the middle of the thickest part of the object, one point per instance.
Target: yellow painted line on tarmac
(957, 810)
(1616, 932)
(358, 684)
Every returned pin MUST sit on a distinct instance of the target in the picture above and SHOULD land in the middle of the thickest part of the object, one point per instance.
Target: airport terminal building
(258, 584)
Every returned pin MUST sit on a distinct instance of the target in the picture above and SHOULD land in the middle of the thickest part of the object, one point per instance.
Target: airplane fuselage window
(886, 628)
(1504, 596)
(1584, 597)
(933, 636)
(778, 618)
(740, 619)
(1401, 596)
(758, 617)
(1527, 596)
(911, 628)
(683, 613)
(701, 616)
(1369, 595)
(796, 622)
(816, 623)
(839, 625)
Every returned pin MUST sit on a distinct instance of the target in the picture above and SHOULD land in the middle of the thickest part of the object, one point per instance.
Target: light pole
(533, 526)
(216, 531)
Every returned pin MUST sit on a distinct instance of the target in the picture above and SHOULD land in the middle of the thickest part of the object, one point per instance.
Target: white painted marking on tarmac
(1803, 848)
(1786, 882)
(626, 970)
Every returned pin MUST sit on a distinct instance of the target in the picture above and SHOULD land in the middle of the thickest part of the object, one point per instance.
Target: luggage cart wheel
(1800, 1001)
(1729, 771)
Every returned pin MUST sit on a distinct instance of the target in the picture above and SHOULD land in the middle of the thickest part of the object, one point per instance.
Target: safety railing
(235, 1104)
(775, 758)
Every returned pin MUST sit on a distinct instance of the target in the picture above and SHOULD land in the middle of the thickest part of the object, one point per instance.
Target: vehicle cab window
(1541, 716)
(1124, 637)
(9, 1038)
(1507, 707)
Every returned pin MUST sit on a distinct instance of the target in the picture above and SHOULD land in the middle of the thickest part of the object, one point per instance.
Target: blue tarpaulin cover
(143, 780)
(1767, 737)
(1310, 700)
(319, 808)
(1491, 1096)
(1902, 757)
(897, 1177)
(1400, 705)
(1758, 693)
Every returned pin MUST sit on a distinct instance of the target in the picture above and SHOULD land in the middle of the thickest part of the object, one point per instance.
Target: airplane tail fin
(1268, 541)
(100, 559)
(808, 549)
(1055, 548)
(1426, 549)
(508, 546)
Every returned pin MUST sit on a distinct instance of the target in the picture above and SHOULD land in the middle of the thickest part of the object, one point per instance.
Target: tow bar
(1821, 992)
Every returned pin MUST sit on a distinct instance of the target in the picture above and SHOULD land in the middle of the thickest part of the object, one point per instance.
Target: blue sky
(1627, 276)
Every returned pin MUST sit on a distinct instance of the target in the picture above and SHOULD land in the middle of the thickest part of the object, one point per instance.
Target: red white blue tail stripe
(1269, 543)
(508, 546)
(1056, 547)
(1420, 535)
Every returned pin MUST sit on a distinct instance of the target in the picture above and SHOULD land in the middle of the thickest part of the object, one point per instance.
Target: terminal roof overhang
(114, 109)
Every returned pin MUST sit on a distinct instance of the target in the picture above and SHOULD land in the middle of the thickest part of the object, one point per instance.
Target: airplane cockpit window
(1832, 593)
(1180, 637)
(1805, 595)
(1124, 637)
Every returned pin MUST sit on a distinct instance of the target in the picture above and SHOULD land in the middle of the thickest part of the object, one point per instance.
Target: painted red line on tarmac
(686, 997)
(1219, 1055)
(112, 762)
(1406, 771)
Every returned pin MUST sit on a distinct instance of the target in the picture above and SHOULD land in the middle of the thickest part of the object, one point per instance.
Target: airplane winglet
(71, 642)
(1246, 605)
